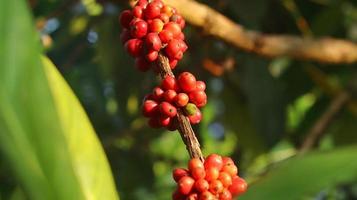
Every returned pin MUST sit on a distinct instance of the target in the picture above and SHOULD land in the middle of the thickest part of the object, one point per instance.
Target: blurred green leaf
(45, 135)
(306, 175)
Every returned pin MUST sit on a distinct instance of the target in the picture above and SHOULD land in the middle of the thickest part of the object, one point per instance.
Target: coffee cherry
(178, 196)
(238, 186)
(198, 173)
(225, 178)
(225, 195)
(181, 99)
(173, 63)
(201, 185)
(166, 36)
(207, 196)
(142, 3)
(230, 169)
(187, 82)
(149, 108)
(169, 83)
(167, 109)
(164, 18)
(198, 97)
(195, 118)
(192, 196)
(137, 11)
(200, 85)
(227, 161)
(216, 187)
(164, 121)
(152, 10)
(174, 28)
(125, 18)
(158, 93)
(178, 173)
(173, 49)
(167, 10)
(185, 185)
(195, 163)
(214, 161)
(152, 55)
(212, 174)
(139, 29)
(134, 47)
(156, 25)
(153, 41)
(170, 95)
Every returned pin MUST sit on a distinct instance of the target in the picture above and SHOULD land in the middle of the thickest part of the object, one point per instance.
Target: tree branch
(184, 127)
(325, 50)
(319, 128)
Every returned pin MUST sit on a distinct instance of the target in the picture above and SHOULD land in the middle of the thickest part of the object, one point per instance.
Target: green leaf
(45, 134)
(306, 175)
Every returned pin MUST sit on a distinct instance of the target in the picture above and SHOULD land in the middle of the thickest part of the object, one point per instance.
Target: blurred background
(260, 111)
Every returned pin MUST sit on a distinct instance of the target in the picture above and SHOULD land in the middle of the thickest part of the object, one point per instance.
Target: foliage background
(259, 109)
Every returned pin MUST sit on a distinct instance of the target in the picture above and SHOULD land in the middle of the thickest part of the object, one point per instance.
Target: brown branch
(319, 128)
(184, 127)
(326, 50)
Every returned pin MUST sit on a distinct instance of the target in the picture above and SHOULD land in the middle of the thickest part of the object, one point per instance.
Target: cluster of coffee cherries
(214, 179)
(148, 28)
(184, 93)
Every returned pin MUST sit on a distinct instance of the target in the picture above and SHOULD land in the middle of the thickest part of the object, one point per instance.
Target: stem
(184, 127)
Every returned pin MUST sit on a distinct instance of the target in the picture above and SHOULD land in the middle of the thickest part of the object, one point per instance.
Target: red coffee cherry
(239, 186)
(214, 161)
(139, 29)
(164, 121)
(170, 95)
(216, 187)
(156, 25)
(200, 85)
(169, 83)
(185, 185)
(201, 185)
(181, 99)
(198, 97)
(173, 63)
(178, 173)
(125, 18)
(207, 196)
(187, 82)
(149, 108)
(142, 3)
(195, 118)
(166, 36)
(153, 41)
(192, 196)
(167, 10)
(195, 163)
(225, 195)
(227, 161)
(167, 109)
(134, 47)
(212, 174)
(152, 10)
(137, 11)
(152, 55)
(164, 18)
(230, 169)
(225, 178)
(158, 93)
(174, 28)
(178, 196)
(198, 173)
(173, 49)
